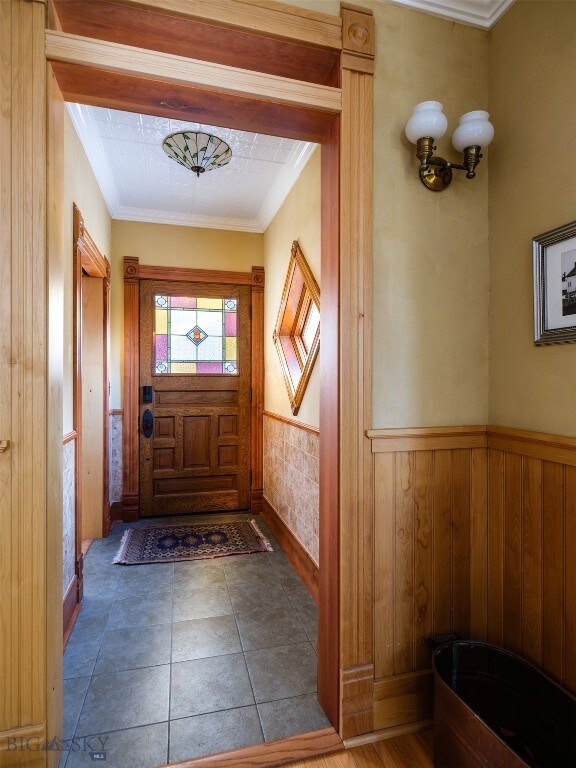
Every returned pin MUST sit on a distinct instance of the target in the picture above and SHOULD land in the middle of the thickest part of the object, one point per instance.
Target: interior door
(195, 353)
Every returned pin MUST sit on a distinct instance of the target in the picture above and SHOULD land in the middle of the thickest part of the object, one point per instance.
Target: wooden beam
(185, 274)
(167, 32)
(113, 90)
(129, 60)
(265, 17)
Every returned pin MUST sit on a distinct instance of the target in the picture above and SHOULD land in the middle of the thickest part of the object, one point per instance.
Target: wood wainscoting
(531, 585)
(475, 533)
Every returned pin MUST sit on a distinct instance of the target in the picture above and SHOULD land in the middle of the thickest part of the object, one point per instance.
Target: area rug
(191, 541)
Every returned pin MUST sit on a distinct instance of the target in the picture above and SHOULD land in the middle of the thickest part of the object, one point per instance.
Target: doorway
(348, 252)
(91, 313)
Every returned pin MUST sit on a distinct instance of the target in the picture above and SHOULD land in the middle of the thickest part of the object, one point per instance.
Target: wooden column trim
(130, 460)
(106, 400)
(29, 381)
(77, 232)
(257, 417)
(356, 466)
(329, 615)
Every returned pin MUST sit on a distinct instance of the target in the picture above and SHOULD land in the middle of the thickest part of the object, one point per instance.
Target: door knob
(147, 423)
(4, 445)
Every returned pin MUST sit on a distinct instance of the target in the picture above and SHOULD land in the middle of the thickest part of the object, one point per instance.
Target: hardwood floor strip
(273, 753)
(403, 752)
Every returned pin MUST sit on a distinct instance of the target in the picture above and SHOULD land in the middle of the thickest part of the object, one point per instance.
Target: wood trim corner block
(357, 700)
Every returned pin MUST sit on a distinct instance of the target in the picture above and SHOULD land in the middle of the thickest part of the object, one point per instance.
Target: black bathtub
(493, 709)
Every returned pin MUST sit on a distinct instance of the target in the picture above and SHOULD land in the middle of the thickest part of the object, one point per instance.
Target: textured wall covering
(530, 387)
(68, 510)
(115, 457)
(291, 479)
(298, 219)
(80, 187)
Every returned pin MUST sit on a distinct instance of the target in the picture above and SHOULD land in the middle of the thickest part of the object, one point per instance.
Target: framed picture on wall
(555, 286)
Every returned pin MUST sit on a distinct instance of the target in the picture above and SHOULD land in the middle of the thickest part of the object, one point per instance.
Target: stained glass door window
(195, 335)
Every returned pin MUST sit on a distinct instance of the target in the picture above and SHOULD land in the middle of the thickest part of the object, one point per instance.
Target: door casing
(242, 384)
(346, 670)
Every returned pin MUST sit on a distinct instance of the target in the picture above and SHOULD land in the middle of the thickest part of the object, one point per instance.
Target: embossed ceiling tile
(139, 182)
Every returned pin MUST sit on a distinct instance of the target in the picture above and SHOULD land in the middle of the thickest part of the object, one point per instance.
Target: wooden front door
(195, 355)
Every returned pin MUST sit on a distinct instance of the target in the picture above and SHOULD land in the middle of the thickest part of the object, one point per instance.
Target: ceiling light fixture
(199, 152)
(428, 123)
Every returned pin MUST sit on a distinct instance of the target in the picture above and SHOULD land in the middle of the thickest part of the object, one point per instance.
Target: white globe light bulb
(474, 130)
(427, 120)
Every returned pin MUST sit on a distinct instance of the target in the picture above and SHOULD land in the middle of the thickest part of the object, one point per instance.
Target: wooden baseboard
(70, 608)
(256, 501)
(401, 700)
(279, 752)
(294, 551)
(388, 733)
(130, 507)
(115, 513)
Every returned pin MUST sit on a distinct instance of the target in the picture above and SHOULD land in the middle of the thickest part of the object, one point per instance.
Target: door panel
(92, 432)
(198, 458)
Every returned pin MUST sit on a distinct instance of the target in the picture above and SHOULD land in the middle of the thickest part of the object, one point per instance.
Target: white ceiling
(478, 13)
(140, 183)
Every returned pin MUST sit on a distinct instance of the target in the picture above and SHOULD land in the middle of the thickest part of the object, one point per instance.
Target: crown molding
(92, 144)
(126, 213)
(295, 164)
(476, 13)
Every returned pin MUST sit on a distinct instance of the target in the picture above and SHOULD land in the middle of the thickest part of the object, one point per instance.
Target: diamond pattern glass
(195, 335)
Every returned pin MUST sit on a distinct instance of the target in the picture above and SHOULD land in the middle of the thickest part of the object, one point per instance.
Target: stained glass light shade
(199, 152)
(195, 335)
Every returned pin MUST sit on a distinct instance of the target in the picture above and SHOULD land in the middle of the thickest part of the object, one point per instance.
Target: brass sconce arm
(436, 172)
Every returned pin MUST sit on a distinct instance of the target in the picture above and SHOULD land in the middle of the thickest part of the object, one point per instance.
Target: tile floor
(174, 661)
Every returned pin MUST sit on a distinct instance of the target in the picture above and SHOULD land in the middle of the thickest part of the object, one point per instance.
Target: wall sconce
(428, 123)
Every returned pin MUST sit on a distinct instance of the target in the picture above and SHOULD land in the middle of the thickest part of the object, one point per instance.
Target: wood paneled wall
(30, 418)
(430, 531)
(475, 533)
(531, 584)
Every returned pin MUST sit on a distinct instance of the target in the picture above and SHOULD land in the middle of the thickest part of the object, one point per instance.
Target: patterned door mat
(193, 541)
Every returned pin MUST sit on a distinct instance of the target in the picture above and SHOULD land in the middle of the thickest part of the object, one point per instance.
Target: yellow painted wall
(430, 250)
(171, 246)
(298, 219)
(532, 190)
(80, 187)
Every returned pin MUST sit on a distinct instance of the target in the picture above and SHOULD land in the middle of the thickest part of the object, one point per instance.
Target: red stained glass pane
(161, 342)
(183, 302)
(209, 368)
(230, 323)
